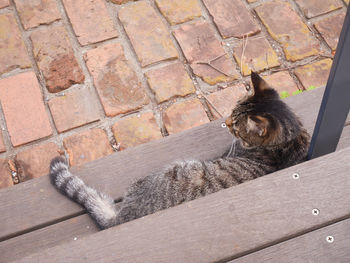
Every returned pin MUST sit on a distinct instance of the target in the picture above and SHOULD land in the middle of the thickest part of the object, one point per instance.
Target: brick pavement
(88, 78)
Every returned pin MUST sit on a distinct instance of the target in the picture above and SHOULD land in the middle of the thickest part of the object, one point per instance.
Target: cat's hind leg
(100, 206)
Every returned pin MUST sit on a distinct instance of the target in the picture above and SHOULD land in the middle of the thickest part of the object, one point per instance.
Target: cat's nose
(228, 122)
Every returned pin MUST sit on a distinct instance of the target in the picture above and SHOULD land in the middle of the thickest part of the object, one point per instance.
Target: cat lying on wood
(269, 137)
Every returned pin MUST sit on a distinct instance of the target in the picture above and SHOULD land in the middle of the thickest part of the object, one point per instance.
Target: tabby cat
(270, 137)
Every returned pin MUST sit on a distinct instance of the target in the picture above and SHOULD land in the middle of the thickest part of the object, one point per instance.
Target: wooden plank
(79, 227)
(50, 236)
(226, 224)
(35, 203)
(311, 247)
(53, 235)
(75, 227)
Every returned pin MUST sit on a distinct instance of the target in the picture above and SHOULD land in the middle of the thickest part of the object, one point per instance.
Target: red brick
(180, 11)
(286, 27)
(170, 81)
(135, 130)
(13, 53)
(117, 84)
(209, 46)
(88, 15)
(4, 3)
(87, 146)
(312, 8)
(281, 82)
(232, 18)
(2, 144)
(330, 28)
(5, 175)
(205, 53)
(35, 161)
(149, 36)
(258, 55)
(223, 102)
(184, 115)
(55, 57)
(35, 13)
(315, 74)
(74, 109)
(24, 109)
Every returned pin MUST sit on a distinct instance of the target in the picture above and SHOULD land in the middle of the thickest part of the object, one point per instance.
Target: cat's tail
(100, 207)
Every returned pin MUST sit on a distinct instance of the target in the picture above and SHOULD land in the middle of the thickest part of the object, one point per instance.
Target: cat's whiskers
(233, 147)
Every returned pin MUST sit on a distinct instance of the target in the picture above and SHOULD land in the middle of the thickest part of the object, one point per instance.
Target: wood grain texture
(53, 235)
(226, 224)
(79, 227)
(311, 247)
(50, 236)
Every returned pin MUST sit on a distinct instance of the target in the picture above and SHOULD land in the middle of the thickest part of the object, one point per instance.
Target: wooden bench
(276, 218)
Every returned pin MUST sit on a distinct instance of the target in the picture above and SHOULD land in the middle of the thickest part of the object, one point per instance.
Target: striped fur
(269, 137)
(98, 205)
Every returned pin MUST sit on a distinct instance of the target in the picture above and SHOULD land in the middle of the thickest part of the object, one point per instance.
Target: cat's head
(262, 118)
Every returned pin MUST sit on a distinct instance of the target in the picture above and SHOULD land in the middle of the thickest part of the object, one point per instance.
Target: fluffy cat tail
(100, 207)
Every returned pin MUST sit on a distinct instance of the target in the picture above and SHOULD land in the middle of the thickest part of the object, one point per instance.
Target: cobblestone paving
(88, 78)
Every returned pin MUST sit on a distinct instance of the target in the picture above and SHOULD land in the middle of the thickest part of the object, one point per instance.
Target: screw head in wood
(315, 211)
(223, 125)
(296, 176)
(330, 239)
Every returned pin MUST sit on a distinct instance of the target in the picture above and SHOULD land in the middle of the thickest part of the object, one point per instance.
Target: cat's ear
(259, 84)
(258, 125)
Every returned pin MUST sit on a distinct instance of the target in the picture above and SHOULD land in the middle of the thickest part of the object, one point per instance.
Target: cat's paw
(57, 166)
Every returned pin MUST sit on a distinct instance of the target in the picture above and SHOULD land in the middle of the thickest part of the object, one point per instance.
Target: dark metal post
(336, 99)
